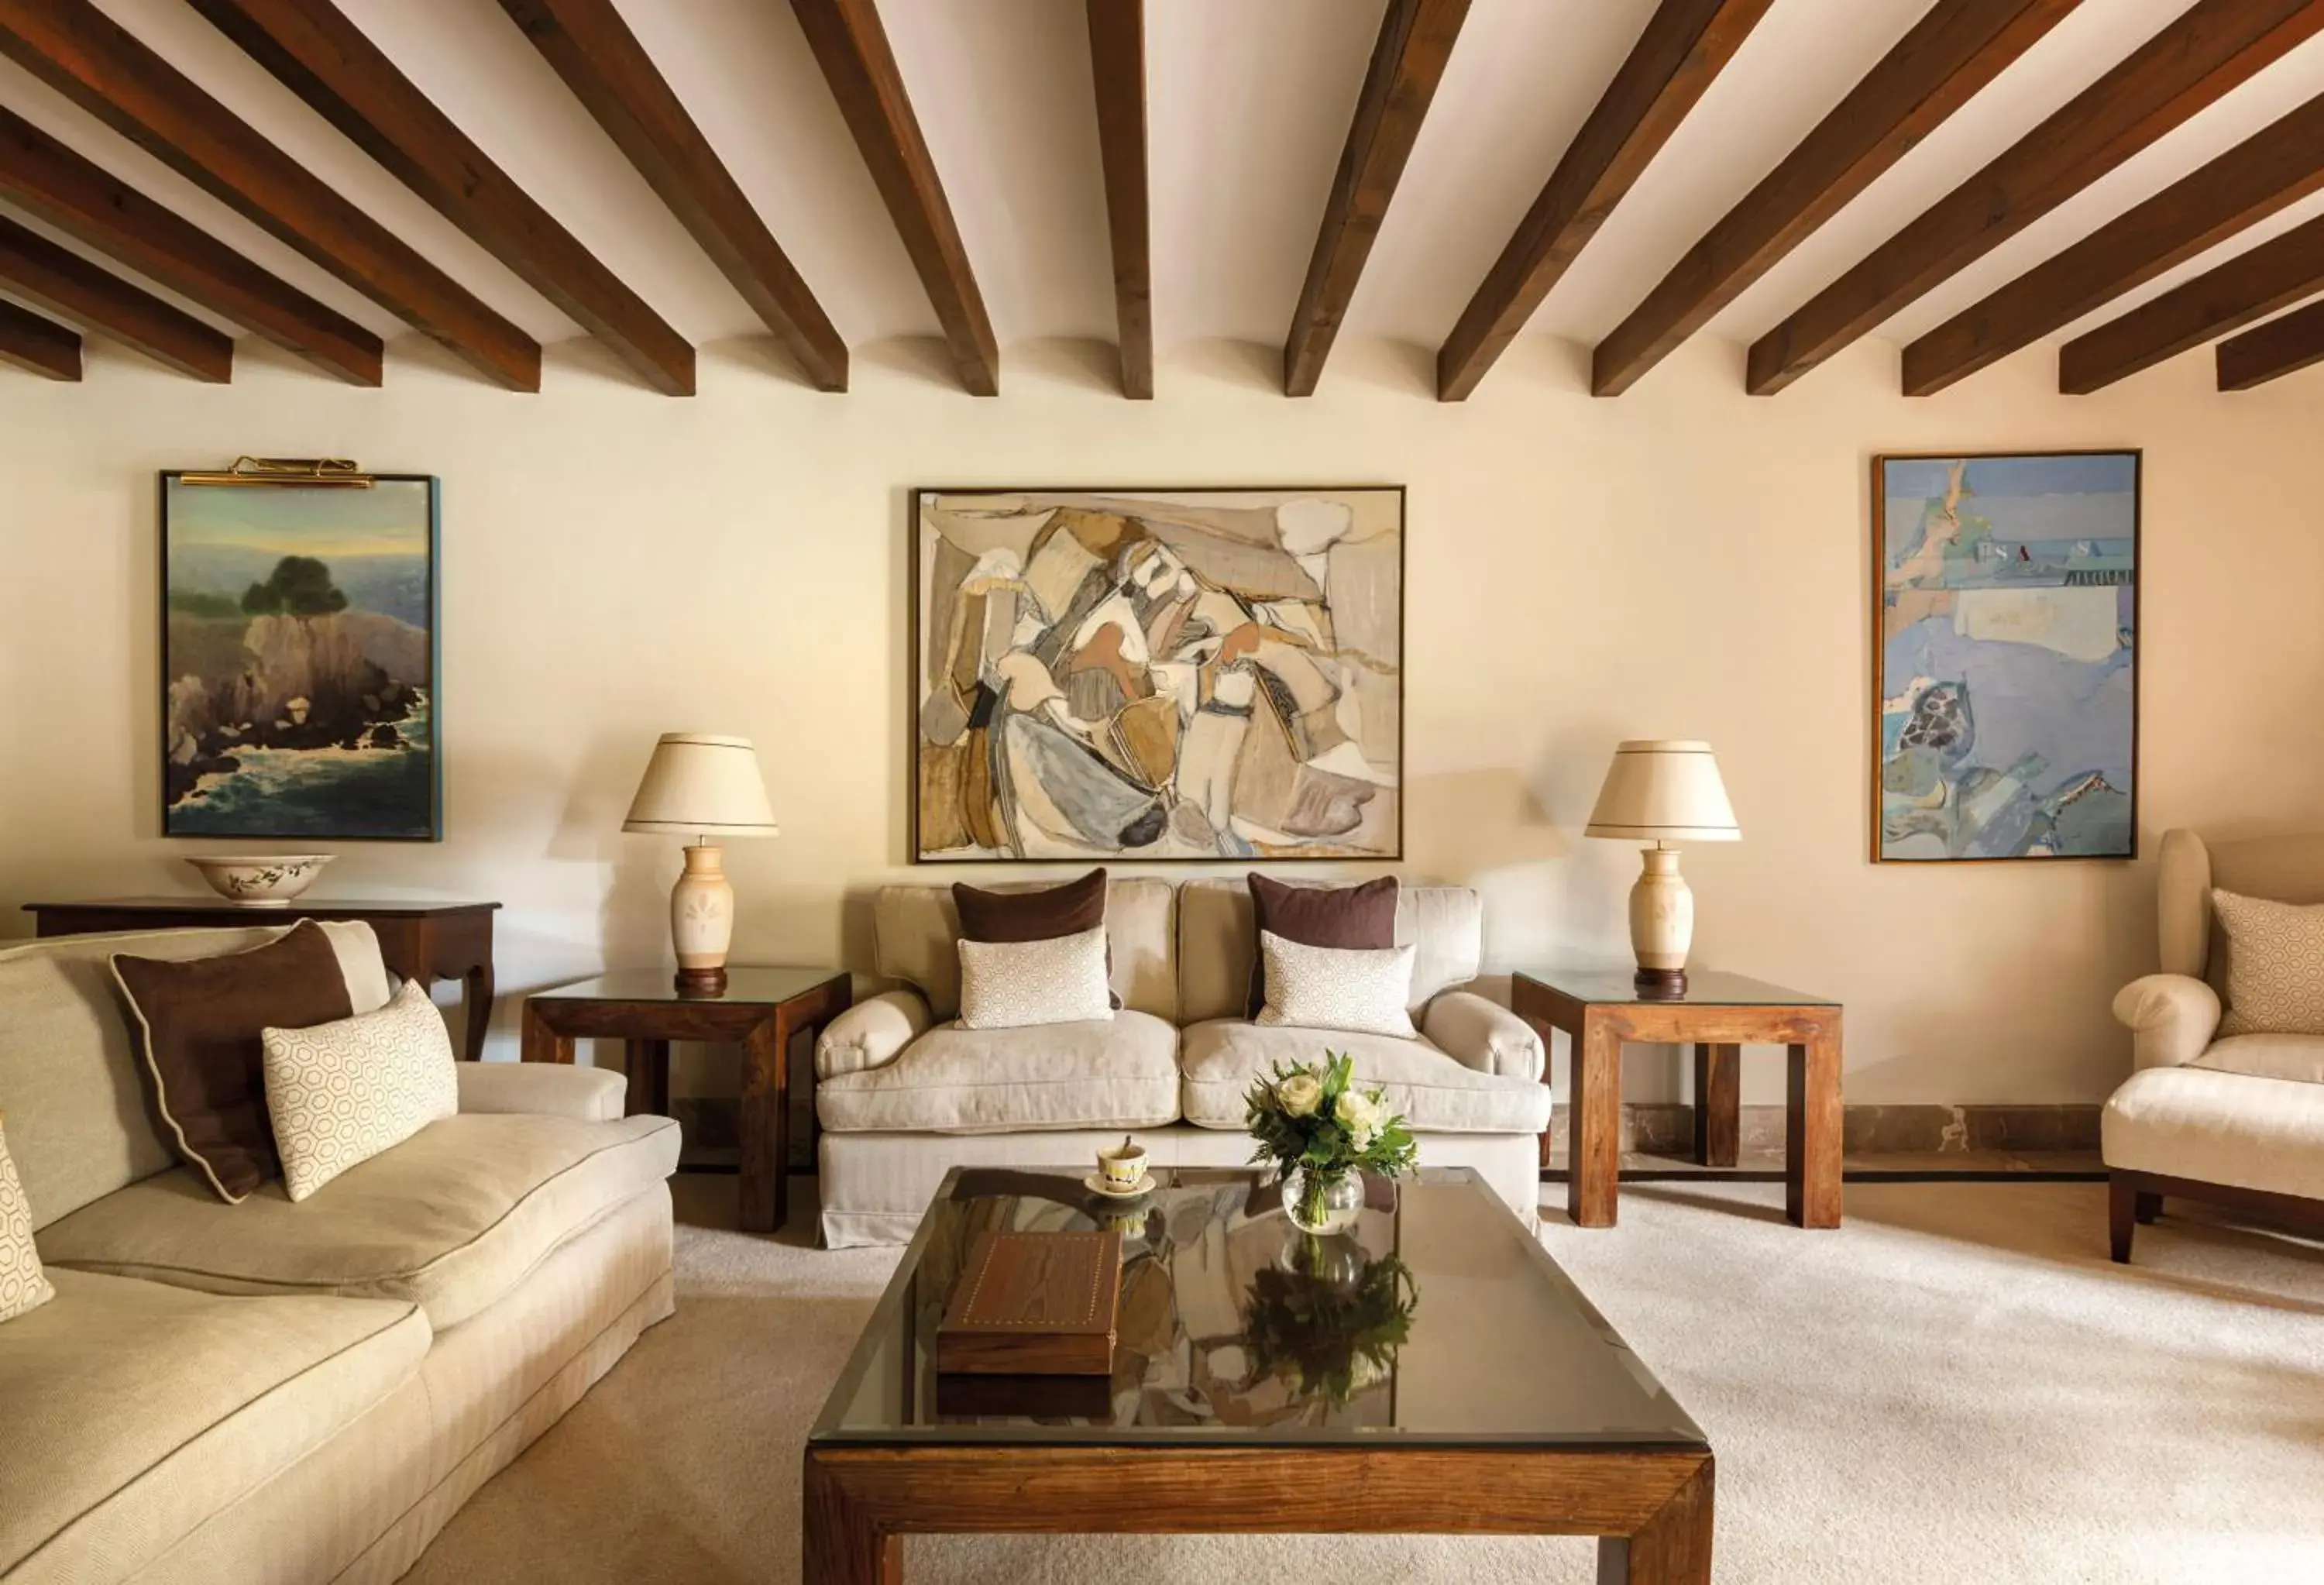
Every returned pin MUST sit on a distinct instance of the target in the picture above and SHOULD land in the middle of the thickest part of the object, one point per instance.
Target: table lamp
(706, 786)
(1663, 790)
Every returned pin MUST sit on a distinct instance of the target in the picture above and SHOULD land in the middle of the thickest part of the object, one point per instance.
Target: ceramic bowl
(261, 881)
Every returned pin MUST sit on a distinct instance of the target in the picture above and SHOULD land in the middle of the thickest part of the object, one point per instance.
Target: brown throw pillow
(1361, 916)
(200, 1023)
(1070, 909)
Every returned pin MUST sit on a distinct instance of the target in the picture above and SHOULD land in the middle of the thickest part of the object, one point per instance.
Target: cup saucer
(1096, 1185)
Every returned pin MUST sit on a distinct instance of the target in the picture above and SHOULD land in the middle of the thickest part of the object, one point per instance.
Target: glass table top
(1439, 1319)
(1704, 988)
(743, 984)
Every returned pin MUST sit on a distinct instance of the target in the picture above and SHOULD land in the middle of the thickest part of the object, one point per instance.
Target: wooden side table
(423, 940)
(762, 1008)
(1720, 1013)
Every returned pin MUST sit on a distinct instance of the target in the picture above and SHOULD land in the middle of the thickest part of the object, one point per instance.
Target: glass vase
(1322, 1202)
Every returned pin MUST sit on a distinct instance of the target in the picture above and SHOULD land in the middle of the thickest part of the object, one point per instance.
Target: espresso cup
(1124, 1166)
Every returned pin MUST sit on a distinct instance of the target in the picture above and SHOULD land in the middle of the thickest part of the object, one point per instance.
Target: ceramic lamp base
(702, 922)
(1662, 924)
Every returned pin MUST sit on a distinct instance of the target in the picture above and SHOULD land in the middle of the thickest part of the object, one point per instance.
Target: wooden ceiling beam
(91, 59)
(39, 345)
(2262, 281)
(609, 71)
(852, 48)
(1117, 33)
(1416, 40)
(2206, 52)
(2272, 169)
(1956, 48)
(1686, 44)
(88, 204)
(61, 281)
(2277, 348)
(321, 56)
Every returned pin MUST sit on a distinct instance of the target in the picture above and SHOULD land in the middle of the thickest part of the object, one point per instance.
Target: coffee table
(1258, 1386)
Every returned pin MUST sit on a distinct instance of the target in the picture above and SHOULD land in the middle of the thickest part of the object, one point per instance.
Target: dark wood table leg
(766, 1126)
(1718, 1102)
(842, 1545)
(645, 1064)
(476, 1000)
(1593, 1154)
(1812, 1130)
(542, 1043)
(1674, 1547)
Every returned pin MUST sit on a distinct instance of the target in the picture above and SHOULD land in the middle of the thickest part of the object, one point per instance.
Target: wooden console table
(425, 940)
(762, 1008)
(1600, 1009)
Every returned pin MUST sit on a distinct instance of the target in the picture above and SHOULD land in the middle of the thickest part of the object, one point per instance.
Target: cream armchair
(2237, 1121)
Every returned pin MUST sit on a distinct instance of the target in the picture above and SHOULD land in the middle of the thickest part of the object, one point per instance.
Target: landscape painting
(299, 661)
(2007, 685)
(1165, 674)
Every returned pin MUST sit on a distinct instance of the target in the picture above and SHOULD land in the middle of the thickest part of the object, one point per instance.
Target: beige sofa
(2238, 1121)
(903, 1093)
(269, 1392)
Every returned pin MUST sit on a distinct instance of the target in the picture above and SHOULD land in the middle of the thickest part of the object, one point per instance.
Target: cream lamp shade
(1663, 789)
(1659, 791)
(696, 784)
(703, 787)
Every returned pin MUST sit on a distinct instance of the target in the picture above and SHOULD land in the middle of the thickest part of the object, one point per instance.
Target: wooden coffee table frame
(1813, 1117)
(1651, 1508)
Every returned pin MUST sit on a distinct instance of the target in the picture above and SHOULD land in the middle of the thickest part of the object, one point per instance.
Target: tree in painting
(2007, 655)
(1149, 674)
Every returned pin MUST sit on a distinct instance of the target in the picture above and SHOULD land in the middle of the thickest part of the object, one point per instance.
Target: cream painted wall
(1685, 561)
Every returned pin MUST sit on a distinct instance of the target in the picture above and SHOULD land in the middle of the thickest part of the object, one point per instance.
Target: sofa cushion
(81, 1117)
(23, 1286)
(451, 1219)
(1022, 984)
(1436, 1095)
(1116, 1073)
(136, 1410)
(341, 1093)
(1218, 938)
(2267, 1056)
(1362, 916)
(914, 932)
(2275, 965)
(2216, 1128)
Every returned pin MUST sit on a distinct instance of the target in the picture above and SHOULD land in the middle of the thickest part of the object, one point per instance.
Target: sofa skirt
(874, 1186)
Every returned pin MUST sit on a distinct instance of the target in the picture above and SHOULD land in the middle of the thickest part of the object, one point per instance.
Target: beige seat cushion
(1436, 1095)
(1116, 1073)
(135, 1410)
(451, 1219)
(2267, 1056)
(2216, 1128)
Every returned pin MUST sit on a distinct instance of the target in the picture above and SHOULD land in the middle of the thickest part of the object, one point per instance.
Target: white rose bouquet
(1315, 1122)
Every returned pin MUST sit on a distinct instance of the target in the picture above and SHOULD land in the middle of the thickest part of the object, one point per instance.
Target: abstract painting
(299, 661)
(1169, 675)
(2007, 693)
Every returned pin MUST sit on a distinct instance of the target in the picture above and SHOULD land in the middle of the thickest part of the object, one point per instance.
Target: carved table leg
(476, 1000)
(1718, 1102)
(1594, 1132)
(1812, 1132)
(1674, 1547)
(766, 1126)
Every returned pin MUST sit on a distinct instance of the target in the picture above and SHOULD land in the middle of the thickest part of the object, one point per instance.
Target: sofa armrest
(2171, 1018)
(1483, 1035)
(548, 1089)
(872, 1033)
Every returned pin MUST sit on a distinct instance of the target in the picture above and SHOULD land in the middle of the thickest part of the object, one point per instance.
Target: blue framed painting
(299, 661)
(2006, 677)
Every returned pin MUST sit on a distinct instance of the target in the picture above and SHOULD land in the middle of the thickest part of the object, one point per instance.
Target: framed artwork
(1158, 674)
(2006, 677)
(299, 661)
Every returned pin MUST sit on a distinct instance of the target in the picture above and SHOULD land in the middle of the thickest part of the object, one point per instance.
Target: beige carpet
(1956, 1387)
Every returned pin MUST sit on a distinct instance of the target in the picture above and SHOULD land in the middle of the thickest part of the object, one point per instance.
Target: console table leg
(766, 1127)
(1674, 1549)
(1593, 1156)
(477, 1001)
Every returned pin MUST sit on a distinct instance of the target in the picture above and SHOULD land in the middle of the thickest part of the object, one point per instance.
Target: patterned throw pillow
(1008, 985)
(2275, 965)
(341, 1092)
(21, 1285)
(1363, 989)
